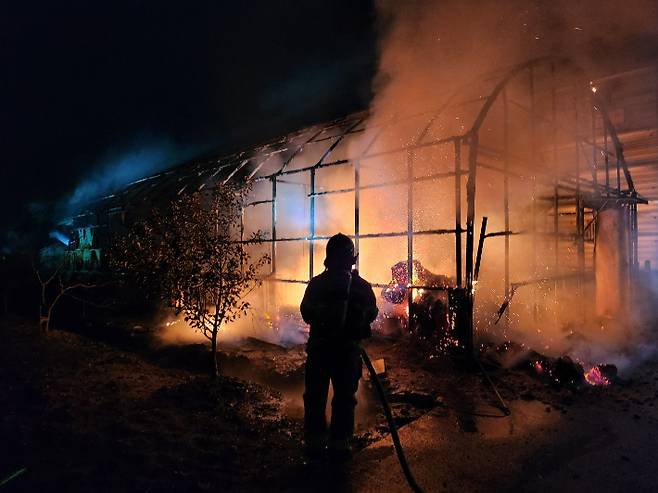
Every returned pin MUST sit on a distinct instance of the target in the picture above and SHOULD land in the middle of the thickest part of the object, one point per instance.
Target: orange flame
(594, 377)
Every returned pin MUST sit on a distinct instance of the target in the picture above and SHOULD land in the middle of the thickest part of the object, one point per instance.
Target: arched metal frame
(587, 194)
(465, 279)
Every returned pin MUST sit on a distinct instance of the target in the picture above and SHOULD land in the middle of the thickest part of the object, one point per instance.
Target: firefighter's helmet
(340, 251)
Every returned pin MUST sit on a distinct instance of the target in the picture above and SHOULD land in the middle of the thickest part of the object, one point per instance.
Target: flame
(283, 327)
(594, 377)
(418, 294)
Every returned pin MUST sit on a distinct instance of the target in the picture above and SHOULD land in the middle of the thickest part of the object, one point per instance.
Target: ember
(560, 371)
(594, 377)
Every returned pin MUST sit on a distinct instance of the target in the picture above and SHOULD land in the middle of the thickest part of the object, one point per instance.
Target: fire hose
(411, 481)
(391, 424)
(382, 397)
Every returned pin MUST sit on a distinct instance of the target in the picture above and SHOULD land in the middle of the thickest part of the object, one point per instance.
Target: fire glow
(407, 205)
(595, 377)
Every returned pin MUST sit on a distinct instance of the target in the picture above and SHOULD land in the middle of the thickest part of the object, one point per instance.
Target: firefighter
(339, 306)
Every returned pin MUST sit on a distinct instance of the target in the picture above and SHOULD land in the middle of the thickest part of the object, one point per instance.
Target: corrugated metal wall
(632, 102)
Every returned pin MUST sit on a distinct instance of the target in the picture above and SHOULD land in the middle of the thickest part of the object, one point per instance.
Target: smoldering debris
(557, 371)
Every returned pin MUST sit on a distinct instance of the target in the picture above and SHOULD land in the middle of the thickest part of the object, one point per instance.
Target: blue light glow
(57, 235)
(116, 170)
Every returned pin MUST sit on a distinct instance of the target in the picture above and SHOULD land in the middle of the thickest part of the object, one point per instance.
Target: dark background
(85, 84)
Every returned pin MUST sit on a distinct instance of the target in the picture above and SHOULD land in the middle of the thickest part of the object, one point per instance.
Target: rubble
(562, 371)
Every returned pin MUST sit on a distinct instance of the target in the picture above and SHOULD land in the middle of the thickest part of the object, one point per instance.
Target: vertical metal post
(533, 158)
(628, 219)
(635, 261)
(357, 207)
(312, 226)
(556, 242)
(467, 325)
(458, 211)
(635, 238)
(624, 233)
(618, 163)
(242, 229)
(580, 210)
(607, 160)
(580, 230)
(506, 196)
(272, 285)
(556, 204)
(595, 170)
(470, 213)
(632, 265)
(410, 232)
(273, 234)
(580, 215)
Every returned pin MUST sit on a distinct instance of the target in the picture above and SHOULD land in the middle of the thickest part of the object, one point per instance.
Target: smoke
(430, 50)
(117, 168)
(59, 236)
(281, 329)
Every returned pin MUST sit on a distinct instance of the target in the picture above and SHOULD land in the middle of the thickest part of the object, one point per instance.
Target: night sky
(85, 84)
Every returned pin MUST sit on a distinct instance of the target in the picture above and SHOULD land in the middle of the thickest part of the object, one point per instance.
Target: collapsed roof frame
(466, 278)
(575, 190)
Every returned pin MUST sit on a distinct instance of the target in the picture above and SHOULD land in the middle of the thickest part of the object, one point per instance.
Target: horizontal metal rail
(504, 233)
(373, 284)
(332, 192)
(371, 235)
(303, 170)
(258, 202)
(402, 181)
(278, 279)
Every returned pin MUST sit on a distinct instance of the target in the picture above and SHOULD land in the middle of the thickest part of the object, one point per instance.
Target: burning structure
(518, 182)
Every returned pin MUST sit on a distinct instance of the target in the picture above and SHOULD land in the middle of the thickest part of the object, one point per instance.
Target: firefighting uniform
(333, 352)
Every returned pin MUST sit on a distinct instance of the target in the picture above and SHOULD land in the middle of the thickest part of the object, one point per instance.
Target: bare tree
(63, 286)
(192, 256)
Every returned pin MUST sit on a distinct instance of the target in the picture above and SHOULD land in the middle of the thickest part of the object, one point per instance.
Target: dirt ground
(80, 415)
(112, 410)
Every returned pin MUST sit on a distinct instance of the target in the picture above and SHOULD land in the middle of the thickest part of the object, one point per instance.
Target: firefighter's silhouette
(339, 306)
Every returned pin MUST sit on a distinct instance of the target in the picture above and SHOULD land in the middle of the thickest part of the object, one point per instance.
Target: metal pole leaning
(478, 258)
